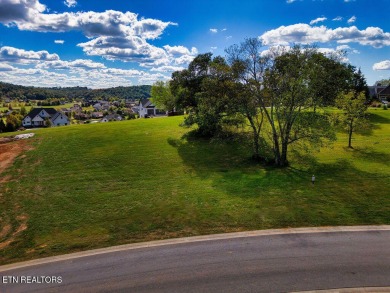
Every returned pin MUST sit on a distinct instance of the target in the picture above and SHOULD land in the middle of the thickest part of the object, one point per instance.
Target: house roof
(385, 91)
(54, 117)
(34, 112)
(146, 103)
(113, 117)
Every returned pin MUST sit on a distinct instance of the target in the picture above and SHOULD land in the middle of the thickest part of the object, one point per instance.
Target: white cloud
(78, 63)
(92, 78)
(180, 50)
(113, 35)
(317, 20)
(134, 49)
(349, 1)
(214, 30)
(14, 55)
(347, 49)
(112, 23)
(70, 3)
(6, 67)
(290, 1)
(306, 34)
(59, 41)
(338, 18)
(352, 19)
(383, 65)
(167, 68)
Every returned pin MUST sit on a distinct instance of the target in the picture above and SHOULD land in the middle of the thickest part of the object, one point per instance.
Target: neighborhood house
(38, 117)
(147, 109)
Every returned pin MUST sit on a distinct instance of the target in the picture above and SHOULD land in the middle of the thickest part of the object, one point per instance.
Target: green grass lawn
(89, 186)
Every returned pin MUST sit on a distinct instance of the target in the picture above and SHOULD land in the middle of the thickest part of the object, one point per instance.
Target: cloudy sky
(103, 43)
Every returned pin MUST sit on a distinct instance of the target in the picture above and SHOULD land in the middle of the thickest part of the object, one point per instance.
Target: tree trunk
(283, 156)
(277, 154)
(350, 135)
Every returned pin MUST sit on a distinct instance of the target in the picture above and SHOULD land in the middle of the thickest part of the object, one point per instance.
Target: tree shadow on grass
(285, 196)
(232, 170)
(378, 119)
(371, 155)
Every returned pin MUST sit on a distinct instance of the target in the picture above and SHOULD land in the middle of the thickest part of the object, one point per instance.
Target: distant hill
(12, 91)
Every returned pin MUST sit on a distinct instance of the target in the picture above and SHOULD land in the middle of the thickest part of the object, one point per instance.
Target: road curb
(149, 244)
(351, 290)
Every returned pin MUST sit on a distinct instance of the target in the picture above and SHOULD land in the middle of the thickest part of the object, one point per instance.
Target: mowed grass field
(90, 186)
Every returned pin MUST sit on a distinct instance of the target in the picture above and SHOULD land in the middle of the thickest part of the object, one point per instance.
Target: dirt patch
(22, 226)
(6, 229)
(8, 152)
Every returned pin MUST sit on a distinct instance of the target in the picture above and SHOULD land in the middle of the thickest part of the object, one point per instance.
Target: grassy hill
(89, 186)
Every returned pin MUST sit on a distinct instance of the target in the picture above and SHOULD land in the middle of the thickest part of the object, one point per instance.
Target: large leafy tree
(283, 89)
(248, 67)
(329, 76)
(206, 89)
(292, 94)
(353, 116)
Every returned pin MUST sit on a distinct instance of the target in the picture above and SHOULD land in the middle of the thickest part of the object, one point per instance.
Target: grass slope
(91, 186)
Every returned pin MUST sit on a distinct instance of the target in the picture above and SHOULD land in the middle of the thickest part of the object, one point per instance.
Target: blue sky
(103, 43)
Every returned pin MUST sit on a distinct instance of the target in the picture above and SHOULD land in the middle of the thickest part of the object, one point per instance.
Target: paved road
(276, 263)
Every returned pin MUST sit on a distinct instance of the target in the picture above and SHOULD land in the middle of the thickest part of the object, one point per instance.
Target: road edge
(211, 237)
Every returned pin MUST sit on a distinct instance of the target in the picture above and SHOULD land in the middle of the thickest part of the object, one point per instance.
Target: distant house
(112, 117)
(376, 90)
(97, 107)
(38, 116)
(147, 108)
(97, 115)
(384, 94)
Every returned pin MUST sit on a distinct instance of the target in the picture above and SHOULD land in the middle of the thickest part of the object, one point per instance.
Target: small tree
(354, 109)
(162, 97)
(2, 125)
(23, 111)
(48, 122)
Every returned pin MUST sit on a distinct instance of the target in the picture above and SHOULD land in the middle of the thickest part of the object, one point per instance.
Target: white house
(146, 108)
(38, 116)
(59, 119)
(112, 117)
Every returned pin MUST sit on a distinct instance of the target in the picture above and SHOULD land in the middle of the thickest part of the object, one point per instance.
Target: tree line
(279, 93)
(18, 92)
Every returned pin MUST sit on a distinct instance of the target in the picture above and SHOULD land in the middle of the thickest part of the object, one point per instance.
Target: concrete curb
(193, 239)
(351, 290)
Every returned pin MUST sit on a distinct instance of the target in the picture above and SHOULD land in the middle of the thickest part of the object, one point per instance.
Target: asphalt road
(277, 263)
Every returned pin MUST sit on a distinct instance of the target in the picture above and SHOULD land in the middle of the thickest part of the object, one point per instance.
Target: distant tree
(48, 122)
(13, 122)
(23, 111)
(358, 85)
(383, 82)
(353, 116)
(2, 125)
(162, 97)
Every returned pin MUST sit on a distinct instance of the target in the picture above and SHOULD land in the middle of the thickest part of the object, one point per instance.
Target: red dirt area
(9, 150)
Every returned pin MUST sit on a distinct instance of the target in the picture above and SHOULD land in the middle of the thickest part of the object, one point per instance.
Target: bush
(384, 106)
(131, 116)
